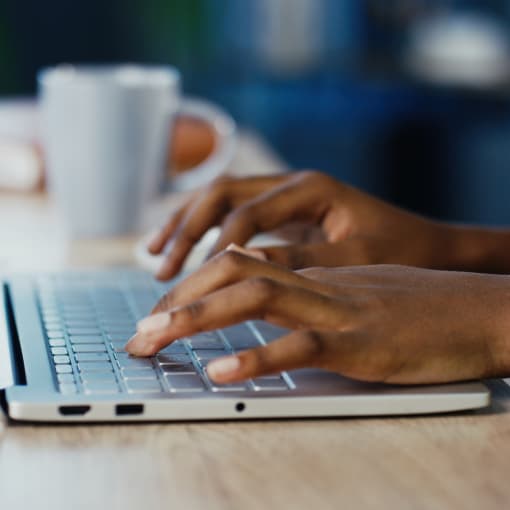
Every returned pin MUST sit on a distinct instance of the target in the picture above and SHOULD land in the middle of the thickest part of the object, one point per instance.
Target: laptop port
(73, 410)
(128, 409)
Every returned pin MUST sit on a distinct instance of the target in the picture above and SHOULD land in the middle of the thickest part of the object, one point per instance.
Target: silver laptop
(62, 359)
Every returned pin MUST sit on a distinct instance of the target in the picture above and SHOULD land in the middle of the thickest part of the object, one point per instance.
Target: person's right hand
(357, 229)
(384, 323)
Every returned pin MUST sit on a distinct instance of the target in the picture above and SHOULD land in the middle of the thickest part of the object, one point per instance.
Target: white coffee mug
(105, 133)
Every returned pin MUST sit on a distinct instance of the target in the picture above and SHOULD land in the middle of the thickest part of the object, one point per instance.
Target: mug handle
(225, 140)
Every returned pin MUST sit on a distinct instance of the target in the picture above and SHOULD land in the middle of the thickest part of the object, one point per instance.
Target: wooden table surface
(449, 461)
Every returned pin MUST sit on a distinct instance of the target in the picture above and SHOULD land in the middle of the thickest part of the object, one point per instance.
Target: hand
(379, 323)
(356, 228)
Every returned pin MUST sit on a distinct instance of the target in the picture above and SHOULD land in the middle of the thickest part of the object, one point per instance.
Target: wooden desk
(455, 461)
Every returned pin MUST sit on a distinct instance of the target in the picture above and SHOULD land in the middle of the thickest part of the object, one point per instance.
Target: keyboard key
(182, 368)
(143, 386)
(51, 324)
(135, 363)
(97, 376)
(172, 359)
(84, 331)
(64, 369)
(97, 387)
(270, 384)
(240, 337)
(65, 378)
(208, 355)
(206, 341)
(119, 339)
(58, 351)
(80, 323)
(57, 342)
(51, 316)
(51, 327)
(120, 331)
(129, 373)
(86, 339)
(55, 334)
(89, 318)
(89, 348)
(119, 346)
(67, 388)
(185, 382)
(61, 360)
(92, 356)
(228, 387)
(95, 366)
(123, 355)
(176, 347)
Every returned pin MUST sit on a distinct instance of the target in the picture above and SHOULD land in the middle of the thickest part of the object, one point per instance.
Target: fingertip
(155, 243)
(154, 249)
(137, 347)
(166, 271)
(225, 369)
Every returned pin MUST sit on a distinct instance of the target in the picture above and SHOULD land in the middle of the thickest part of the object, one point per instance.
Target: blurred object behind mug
(105, 137)
(193, 141)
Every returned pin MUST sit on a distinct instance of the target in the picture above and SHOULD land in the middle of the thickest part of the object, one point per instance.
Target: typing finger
(158, 242)
(228, 268)
(254, 298)
(208, 210)
(299, 349)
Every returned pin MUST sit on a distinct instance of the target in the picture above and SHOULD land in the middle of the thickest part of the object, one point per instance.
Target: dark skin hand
(385, 323)
(355, 228)
(390, 324)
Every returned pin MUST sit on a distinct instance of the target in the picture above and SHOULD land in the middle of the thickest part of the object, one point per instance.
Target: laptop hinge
(12, 370)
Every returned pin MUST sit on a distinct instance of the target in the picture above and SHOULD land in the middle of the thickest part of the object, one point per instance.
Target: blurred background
(408, 99)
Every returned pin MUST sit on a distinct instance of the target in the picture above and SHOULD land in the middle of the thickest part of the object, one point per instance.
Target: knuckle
(218, 186)
(315, 177)
(298, 258)
(165, 303)
(231, 261)
(241, 214)
(186, 236)
(256, 361)
(263, 288)
(189, 313)
(313, 346)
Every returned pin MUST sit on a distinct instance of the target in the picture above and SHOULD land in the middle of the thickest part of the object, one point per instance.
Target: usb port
(128, 409)
(73, 410)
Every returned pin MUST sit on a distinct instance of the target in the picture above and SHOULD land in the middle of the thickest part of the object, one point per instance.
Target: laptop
(62, 359)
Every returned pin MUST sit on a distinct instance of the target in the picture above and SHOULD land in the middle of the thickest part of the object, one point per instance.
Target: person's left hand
(382, 323)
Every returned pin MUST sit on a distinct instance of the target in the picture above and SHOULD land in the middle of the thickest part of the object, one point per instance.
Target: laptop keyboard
(88, 319)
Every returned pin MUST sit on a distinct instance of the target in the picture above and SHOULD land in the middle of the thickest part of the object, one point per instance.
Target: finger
(299, 349)
(226, 269)
(299, 256)
(209, 210)
(158, 242)
(255, 298)
(349, 252)
(293, 200)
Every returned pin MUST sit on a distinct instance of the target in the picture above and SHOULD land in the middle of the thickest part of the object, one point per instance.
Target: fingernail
(153, 237)
(223, 367)
(162, 271)
(250, 252)
(153, 323)
(136, 346)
